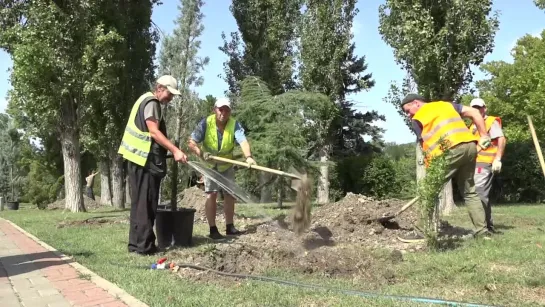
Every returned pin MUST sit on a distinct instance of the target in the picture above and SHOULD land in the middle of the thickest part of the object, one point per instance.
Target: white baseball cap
(170, 83)
(477, 102)
(222, 102)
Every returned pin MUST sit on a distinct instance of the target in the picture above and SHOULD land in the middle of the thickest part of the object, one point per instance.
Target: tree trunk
(266, 195)
(323, 183)
(446, 204)
(280, 192)
(73, 186)
(420, 168)
(118, 192)
(105, 191)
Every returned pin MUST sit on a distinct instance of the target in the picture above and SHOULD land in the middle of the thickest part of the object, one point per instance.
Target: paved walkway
(33, 274)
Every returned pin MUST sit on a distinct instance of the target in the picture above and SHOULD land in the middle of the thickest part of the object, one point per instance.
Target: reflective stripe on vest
(135, 144)
(210, 143)
(440, 119)
(487, 155)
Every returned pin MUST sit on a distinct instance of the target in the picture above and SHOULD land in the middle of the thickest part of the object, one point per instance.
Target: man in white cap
(488, 160)
(144, 146)
(218, 134)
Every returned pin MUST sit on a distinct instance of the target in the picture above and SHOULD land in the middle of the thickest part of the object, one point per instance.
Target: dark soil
(340, 242)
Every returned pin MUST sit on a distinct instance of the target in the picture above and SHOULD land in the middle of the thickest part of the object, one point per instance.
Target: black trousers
(144, 201)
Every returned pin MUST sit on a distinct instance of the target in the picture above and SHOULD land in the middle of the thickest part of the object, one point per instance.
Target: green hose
(349, 292)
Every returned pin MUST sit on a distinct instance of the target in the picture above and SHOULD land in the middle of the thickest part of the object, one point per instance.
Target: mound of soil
(272, 246)
(341, 241)
(195, 198)
(89, 204)
(352, 220)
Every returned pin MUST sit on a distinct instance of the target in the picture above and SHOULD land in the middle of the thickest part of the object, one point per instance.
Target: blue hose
(348, 292)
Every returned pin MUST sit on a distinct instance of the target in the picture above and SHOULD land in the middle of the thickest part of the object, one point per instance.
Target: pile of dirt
(352, 219)
(195, 198)
(88, 202)
(341, 241)
(271, 246)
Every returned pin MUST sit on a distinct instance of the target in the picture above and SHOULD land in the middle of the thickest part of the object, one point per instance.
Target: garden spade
(405, 207)
(300, 183)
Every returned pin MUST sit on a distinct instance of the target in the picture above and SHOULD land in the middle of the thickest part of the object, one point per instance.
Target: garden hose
(348, 292)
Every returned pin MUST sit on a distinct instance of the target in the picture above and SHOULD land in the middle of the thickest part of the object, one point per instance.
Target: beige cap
(170, 83)
(222, 102)
(477, 102)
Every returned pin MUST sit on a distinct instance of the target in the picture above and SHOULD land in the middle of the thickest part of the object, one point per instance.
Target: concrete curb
(99, 281)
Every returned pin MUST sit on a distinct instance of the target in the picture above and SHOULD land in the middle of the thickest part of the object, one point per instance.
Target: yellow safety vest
(440, 119)
(135, 144)
(487, 155)
(210, 143)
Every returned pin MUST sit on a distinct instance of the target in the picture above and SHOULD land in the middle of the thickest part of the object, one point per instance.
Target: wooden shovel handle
(261, 168)
(407, 205)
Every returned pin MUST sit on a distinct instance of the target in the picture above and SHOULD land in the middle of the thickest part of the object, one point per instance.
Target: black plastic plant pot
(12, 205)
(175, 228)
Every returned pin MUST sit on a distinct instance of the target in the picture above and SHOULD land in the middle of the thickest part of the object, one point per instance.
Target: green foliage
(403, 157)
(11, 146)
(329, 66)
(514, 90)
(279, 146)
(428, 191)
(521, 178)
(264, 45)
(540, 4)
(380, 178)
(437, 41)
(43, 186)
(179, 58)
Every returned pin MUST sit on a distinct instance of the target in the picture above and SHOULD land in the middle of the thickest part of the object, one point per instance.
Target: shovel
(300, 183)
(405, 207)
(296, 178)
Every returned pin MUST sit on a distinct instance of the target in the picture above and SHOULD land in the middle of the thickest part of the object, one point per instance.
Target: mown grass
(505, 271)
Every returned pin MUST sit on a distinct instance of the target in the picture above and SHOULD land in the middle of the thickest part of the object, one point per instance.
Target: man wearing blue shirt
(219, 133)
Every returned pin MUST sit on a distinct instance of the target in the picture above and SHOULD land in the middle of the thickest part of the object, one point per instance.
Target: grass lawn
(505, 271)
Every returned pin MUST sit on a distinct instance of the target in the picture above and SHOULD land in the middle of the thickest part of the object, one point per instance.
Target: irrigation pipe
(348, 292)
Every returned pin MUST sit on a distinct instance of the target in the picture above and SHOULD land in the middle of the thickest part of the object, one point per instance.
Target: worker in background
(434, 120)
(144, 146)
(488, 160)
(218, 134)
(90, 180)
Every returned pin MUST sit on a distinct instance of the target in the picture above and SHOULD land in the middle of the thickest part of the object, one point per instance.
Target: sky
(517, 18)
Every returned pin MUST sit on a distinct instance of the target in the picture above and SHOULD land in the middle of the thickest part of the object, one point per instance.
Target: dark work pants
(144, 200)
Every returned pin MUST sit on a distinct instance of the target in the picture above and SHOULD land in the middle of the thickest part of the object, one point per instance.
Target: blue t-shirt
(200, 131)
(417, 126)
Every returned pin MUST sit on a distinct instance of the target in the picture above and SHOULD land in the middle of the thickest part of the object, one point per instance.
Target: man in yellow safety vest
(488, 160)
(144, 146)
(437, 119)
(218, 134)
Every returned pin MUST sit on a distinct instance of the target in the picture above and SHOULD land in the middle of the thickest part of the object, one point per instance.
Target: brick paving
(32, 274)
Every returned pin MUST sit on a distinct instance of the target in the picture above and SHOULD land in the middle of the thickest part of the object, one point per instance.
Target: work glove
(496, 166)
(251, 161)
(484, 142)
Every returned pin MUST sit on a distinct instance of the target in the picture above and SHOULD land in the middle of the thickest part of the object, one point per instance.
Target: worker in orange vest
(489, 160)
(437, 119)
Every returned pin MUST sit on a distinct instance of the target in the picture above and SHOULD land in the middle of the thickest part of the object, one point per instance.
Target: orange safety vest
(440, 119)
(487, 155)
